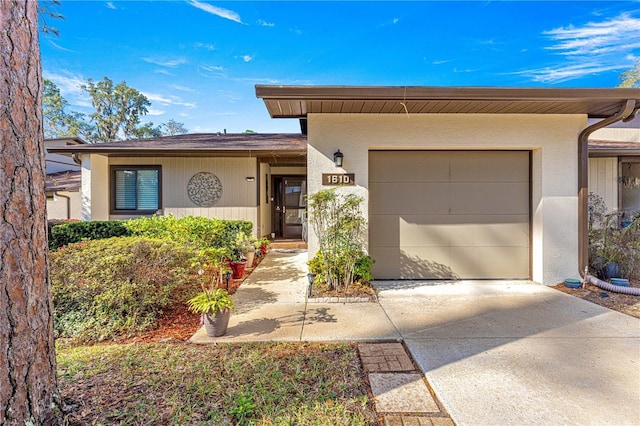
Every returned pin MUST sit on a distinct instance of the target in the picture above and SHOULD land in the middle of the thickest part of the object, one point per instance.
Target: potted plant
(262, 244)
(215, 305)
(242, 254)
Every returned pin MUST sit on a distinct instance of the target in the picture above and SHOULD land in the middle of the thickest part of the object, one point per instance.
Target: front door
(291, 205)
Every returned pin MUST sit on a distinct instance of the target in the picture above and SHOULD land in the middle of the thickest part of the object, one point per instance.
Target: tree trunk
(28, 384)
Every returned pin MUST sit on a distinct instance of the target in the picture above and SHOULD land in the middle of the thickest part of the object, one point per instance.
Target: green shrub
(197, 230)
(339, 224)
(110, 287)
(361, 273)
(55, 222)
(74, 232)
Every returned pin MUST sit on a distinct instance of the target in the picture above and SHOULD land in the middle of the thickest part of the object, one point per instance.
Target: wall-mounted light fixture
(337, 158)
(250, 179)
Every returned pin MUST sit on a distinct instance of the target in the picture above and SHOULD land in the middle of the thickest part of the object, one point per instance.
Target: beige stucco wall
(551, 138)
(238, 200)
(64, 205)
(616, 134)
(603, 180)
(95, 187)
(265, 200)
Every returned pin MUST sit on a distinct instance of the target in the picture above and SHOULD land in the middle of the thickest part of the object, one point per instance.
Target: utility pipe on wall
(583, 181)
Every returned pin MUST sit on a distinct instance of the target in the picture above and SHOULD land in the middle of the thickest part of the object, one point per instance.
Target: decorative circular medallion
(204, 189)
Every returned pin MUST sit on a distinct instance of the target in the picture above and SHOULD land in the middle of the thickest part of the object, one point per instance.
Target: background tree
(172, 128)
(28, 384)
(58, 123)
(631, 78)
(118, 109)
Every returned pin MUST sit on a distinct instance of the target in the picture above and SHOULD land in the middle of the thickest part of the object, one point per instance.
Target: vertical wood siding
(603, 180)
(238, 201)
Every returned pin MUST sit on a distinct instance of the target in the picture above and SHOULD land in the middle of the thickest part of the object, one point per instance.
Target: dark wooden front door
(290, 206)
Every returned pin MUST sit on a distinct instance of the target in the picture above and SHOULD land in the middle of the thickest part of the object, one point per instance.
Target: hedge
(200, 231)
(74, 232)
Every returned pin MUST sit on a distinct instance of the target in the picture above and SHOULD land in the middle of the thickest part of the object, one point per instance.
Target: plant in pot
(605, 243)
(213, 302)
(262, 245)
(215, 306)
(242, 248)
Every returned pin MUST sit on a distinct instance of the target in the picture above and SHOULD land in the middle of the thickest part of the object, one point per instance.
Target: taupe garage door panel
(449, 214)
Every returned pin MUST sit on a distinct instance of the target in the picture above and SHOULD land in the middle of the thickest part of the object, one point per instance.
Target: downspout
(68, 203)
(583, 183)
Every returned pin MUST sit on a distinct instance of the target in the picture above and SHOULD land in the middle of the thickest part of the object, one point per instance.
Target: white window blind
(137, 189)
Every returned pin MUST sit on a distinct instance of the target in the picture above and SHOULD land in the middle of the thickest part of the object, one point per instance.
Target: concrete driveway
(516, 353)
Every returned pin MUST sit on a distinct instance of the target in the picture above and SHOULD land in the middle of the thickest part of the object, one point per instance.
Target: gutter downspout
(583, 183)
(58, 194)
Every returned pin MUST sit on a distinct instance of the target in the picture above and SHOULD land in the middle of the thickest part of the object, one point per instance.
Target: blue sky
(198, 61)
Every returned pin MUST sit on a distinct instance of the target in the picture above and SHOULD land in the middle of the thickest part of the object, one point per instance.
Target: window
(135, 189)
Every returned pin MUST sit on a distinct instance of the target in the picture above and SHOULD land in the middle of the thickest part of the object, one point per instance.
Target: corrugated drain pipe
(583, 200)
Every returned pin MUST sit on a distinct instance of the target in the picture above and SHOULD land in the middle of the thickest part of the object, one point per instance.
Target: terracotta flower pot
(238, 269)
(250, 255)
(216, 325)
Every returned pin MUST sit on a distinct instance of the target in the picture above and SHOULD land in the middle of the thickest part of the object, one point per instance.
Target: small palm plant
(211, 302)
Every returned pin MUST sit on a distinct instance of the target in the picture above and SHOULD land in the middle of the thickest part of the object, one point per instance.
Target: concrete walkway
(494, 352)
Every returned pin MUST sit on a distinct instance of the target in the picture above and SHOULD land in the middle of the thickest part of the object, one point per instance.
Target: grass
(243, 384)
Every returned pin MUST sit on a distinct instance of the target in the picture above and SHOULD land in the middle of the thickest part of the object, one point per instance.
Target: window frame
(112, 186)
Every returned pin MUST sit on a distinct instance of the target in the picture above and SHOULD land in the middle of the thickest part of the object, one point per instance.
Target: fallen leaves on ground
(624, 303)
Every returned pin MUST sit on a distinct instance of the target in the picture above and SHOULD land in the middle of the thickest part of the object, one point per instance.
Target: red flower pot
(238, 269)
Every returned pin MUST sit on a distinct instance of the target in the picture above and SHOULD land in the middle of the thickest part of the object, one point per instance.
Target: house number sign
(338, 179)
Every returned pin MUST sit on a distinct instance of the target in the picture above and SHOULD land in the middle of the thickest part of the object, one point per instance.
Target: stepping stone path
(401, 393)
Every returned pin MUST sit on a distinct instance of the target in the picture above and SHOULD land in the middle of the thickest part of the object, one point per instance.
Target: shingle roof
(63, 181)
(236, 144)
(613, 148)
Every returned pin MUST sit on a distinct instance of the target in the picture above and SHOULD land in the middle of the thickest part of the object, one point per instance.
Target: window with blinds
(136, 189)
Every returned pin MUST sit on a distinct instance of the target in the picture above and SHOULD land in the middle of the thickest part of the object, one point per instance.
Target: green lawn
(257, 383)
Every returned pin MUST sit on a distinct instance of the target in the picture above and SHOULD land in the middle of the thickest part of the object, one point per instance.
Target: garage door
(449, 214)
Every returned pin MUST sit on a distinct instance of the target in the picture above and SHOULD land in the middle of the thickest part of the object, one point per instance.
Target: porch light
(250, 179)
(337, 158)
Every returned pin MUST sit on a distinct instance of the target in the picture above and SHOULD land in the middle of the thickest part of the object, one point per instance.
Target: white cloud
(563, 73)
(57, 46)
(265, 23)
(162, 71)
(395, 20)
(440, 62)
(110, 5)
(207, 46)
(69, 85)
(247, 58)
(165, 62)
(218, 11)
(168, 100)
(619, 34)
(589, 49)
(152, 111)
(183, 88)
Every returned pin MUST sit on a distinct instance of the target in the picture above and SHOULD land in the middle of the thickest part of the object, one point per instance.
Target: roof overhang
(299, 101)
(272, 146)
(602, 148)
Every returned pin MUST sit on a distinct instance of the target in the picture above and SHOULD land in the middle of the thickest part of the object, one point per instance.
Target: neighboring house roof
(63, 181)
(602, 148)
(298, 101)
(68, 140)
(237, 145)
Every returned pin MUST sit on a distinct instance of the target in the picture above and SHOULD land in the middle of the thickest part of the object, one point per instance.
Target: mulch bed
(177, 323)
(354, 290)
(624, 303)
